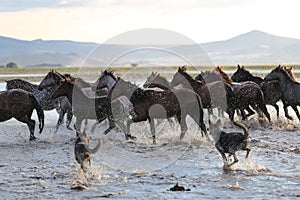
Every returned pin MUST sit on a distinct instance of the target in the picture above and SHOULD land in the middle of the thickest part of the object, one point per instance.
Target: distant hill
(254, 47)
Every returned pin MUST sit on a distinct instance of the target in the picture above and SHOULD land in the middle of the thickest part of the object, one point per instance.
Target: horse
(152, 104)
(61, 105)
(156, 80)
(85, 107)
(216, 94)
(19, 104)
(271, 89)
(246, 94)
(290, 88)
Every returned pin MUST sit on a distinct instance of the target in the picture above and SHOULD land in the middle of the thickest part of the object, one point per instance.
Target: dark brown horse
(61, 105)
(85, 107)
(271, 89)
(151, 104)
(215, 94)
(19, 104)
(290, 88)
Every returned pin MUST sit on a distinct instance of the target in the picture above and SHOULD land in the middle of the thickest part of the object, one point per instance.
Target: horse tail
(260, 98)
(94, 150)
(201, 114)
(39, 111)
(242, 126)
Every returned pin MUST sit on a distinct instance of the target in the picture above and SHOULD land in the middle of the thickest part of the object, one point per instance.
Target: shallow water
(46, 168)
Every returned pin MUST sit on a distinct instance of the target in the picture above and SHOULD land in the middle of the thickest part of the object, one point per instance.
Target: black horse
(290, 88)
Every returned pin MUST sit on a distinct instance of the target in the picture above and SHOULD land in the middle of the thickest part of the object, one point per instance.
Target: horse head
(181, 77)
(106, 79)
(52, 78)
(241, 75)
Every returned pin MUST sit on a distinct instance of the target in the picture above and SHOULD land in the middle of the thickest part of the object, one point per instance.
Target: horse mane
(224, 76)
(290, 73)
(284, 72)
(109, 73)
(182, 70)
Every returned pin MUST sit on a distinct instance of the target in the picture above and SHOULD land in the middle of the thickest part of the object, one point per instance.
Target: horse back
(14, 103)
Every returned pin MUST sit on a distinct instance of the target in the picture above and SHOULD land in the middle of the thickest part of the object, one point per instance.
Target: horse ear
(239, 67)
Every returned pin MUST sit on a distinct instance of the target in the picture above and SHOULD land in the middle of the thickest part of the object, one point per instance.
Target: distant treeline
(10, 65)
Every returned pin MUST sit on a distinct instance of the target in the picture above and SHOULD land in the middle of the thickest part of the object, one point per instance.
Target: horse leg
(277, 109)
(230, 112)
(112, 124)
(60, 120)
(263, 108)
(183, 126)
(296, 111)
(199, 121)
(152, 129)
(250, 112)
(220, 113)
(69, 119)
(30, 123)
(129, 122)
(78, 123)
(210, 112)
(286, 112)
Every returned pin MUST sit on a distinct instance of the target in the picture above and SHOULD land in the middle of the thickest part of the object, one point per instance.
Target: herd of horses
(124, 103)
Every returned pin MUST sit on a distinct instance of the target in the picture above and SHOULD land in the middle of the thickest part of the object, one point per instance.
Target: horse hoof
(132, 137)
(69, 128)
(32, 138)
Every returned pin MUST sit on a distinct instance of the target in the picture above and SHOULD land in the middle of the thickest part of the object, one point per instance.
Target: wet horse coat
(19, 104)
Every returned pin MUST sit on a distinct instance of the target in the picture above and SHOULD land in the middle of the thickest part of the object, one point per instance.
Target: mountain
(255, 47)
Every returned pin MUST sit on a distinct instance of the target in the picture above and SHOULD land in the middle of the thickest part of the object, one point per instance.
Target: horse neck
(191, 81)
(110, 83)
(225, 77)
(255, 79)
(285, 81)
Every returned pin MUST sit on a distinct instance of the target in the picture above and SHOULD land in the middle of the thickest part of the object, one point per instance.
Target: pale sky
(99, 20)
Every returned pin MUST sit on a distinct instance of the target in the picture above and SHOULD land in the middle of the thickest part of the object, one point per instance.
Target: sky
(99, 20)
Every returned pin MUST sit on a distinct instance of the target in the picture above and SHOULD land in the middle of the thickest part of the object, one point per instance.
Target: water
(46, 168)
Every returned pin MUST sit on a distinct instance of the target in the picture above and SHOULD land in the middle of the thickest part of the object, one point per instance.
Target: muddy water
(46, 168)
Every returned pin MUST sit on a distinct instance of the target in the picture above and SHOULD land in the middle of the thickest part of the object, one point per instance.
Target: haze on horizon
(99, 20)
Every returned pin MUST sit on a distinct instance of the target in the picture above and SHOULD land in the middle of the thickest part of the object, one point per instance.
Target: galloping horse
(19, 104)
(215, 94)
(245, 94)
(271, 89)
(290, 88)
(85, 107)
(61, 105)
(151, 104)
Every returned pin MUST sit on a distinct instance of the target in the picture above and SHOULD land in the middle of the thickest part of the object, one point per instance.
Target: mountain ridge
(254, 47)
